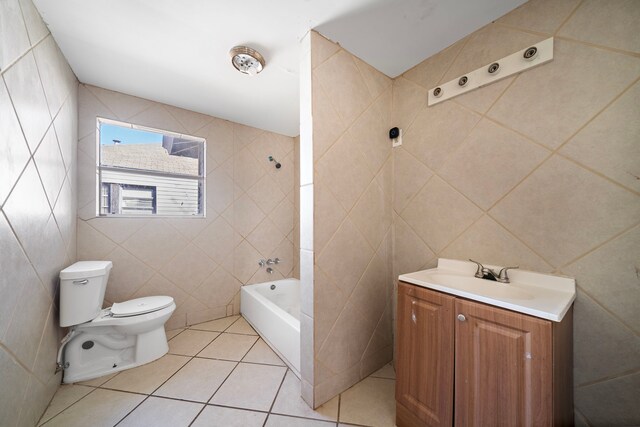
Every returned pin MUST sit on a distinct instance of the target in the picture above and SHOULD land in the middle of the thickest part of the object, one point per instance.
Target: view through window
(145, 171)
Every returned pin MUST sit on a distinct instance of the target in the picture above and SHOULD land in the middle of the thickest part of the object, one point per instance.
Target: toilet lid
(140, 306)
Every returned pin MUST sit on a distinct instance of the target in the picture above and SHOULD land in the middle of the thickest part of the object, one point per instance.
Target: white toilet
(104, 341)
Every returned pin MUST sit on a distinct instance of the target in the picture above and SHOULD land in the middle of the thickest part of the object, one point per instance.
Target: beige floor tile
(97, 382)
(289, 402)
(172, 333)
(241, 327)
(284, 421)
(387, 371)
(100, 408)
(197, 380)
(216, 416)
(65, 396)
(218, 325)
(189, 343)
(146, 378)
(250, 386)
(370, 402)
(229, 347)
(262, 353)
(159, 412)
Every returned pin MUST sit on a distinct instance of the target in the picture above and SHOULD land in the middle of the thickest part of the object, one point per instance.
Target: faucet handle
(503, 277)
(262, 263)
(480, 271)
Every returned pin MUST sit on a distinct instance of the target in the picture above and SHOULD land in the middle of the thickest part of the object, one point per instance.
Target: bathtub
(273, 309)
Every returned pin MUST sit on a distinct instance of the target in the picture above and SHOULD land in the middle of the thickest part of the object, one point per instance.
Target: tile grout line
(275, 397)
(100, 386)
(67, 407)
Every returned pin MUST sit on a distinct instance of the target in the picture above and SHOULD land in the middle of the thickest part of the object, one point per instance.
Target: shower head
(278, 165)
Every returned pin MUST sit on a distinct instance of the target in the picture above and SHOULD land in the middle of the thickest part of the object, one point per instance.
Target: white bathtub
(273, 309)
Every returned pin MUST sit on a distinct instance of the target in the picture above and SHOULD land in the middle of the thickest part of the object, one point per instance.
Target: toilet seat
(139, 306)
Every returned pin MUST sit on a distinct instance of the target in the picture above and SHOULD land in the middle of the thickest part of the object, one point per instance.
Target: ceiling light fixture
(246, 60)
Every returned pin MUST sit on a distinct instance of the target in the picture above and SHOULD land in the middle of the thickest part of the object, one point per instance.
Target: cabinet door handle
(461, 317)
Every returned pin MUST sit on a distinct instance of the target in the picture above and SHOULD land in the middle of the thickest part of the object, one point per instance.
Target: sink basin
(540, 295)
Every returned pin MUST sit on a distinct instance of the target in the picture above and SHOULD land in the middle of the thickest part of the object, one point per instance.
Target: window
(149, 172)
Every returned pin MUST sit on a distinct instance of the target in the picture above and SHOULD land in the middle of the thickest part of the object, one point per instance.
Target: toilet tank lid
(140, 306)
(83, 269)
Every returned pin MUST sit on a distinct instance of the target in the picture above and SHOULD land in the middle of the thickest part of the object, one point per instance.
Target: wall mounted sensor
(278, 165)
(395, 135)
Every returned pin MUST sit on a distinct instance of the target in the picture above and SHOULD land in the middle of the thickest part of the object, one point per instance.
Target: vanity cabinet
(465, 363)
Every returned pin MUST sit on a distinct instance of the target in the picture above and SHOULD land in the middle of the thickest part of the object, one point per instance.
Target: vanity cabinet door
(503, 367)
(424, 385)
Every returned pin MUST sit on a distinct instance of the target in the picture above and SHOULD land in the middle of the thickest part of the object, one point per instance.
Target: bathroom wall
(540, 170)
(352, 175)
(38, 120)
(201, 263)
(296, 207)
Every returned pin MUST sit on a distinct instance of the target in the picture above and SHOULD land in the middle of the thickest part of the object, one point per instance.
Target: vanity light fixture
(246, 60)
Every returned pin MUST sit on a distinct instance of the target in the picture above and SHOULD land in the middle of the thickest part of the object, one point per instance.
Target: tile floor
(218, 373)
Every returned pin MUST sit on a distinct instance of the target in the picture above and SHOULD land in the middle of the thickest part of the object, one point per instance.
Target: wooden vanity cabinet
(465, 363)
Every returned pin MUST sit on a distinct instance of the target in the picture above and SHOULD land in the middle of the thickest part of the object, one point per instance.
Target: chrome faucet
(273, 261)
(269, 270)
(488, 274)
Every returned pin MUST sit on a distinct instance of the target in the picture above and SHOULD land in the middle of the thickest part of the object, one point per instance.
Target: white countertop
(537, 294)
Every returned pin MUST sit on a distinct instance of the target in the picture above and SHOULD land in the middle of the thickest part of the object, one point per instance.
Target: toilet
(105, 341)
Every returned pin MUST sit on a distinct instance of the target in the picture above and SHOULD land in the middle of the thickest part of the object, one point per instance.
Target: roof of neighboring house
(151, 157)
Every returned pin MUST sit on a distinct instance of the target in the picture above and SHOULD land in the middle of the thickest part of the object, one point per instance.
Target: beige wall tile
(408, 99)
(376, 81)
(437, 131)
(15, 40)
(14, 379)
(409, 175)
(609, 144)
(321, 49)
(127, 275)
(27, 95)
(189, 268)
(623, 409)
(372, 214)
(544, 16)
(489, 243)
(558, 98)
(429, 72)
(438, 214)
(15, 154)
(610, 275)
(345, 257)
(603, 347)
(613, 24)
(489, 148)
(482, 99)
(343, 164)
(327, 207)
(344, 85)
(553, 208)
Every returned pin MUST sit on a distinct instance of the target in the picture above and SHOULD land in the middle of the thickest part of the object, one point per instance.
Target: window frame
(202, 179)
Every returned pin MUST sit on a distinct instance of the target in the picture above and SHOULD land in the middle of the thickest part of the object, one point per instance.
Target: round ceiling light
(246, 60)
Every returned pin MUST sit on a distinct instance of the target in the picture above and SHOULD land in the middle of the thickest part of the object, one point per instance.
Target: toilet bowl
(104, 341)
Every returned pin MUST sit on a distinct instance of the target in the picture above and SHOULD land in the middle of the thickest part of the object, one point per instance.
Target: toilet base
(91, 355)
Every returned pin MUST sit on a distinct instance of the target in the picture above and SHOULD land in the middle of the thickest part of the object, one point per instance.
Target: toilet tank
(82, 288)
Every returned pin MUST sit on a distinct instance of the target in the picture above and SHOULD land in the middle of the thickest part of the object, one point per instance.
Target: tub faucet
(269, 270)
(488, 274)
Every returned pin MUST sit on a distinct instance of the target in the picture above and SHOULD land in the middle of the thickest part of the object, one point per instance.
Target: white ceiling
(176, 52)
